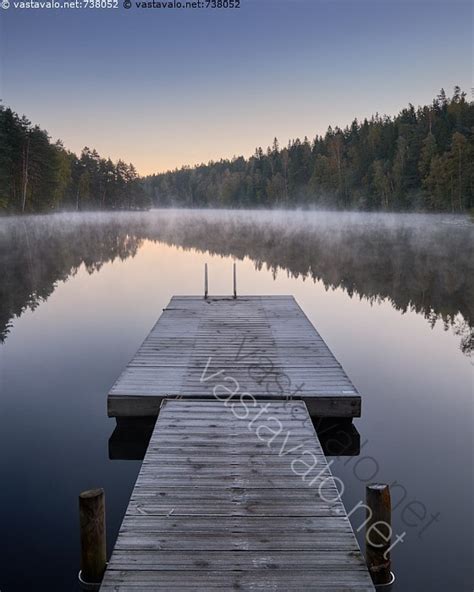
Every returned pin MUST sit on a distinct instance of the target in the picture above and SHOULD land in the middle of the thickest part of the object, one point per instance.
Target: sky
(164, 88)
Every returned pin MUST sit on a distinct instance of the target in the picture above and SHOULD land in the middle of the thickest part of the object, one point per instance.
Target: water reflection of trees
(38, 253)
(415, 262)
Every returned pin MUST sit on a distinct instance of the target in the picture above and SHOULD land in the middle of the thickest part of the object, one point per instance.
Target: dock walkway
(221, 504)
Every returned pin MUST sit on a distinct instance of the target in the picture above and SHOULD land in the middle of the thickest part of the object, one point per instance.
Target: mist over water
(392, 295)
(415, 262)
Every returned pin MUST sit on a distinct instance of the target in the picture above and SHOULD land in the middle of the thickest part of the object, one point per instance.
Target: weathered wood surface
(266, 344)
(93, 535)
(218, 507)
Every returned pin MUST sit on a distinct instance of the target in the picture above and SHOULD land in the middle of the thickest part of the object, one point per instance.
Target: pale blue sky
(162, 88)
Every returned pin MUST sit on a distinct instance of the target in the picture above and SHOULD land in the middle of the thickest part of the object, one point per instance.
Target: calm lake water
(392, 295)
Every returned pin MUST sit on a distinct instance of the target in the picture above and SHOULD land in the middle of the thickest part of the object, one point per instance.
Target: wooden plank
(265, 344)
(212, 510)
(223, 581)
(237, 560)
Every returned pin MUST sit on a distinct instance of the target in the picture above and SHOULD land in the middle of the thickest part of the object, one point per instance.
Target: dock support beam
(206, 284)
(93, 536)
(378, 533)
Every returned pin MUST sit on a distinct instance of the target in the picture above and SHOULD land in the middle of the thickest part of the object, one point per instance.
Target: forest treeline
(422, 159)
(37, 175)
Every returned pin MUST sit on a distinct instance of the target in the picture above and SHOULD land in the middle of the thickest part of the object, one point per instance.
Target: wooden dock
(265, 343)
(221, 504)
(235, 492)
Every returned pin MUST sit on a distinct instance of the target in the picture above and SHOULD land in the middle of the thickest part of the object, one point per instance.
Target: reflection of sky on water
(60, 359)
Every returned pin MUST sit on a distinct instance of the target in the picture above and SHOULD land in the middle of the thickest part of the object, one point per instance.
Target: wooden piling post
(93, 536)
(206, 287)
(378, 532)
(235, 280)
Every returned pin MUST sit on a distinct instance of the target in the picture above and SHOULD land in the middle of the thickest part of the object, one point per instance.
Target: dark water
(392, 295)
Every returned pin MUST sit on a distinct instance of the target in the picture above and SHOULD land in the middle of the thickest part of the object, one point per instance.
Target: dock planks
(265, 343)
(218, 506)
